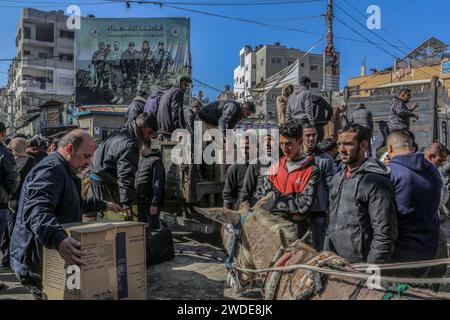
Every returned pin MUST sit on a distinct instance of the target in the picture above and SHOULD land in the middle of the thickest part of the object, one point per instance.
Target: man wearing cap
(300, 105)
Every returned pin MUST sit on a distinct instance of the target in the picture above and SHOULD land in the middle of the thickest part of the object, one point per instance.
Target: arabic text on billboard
(115, 58)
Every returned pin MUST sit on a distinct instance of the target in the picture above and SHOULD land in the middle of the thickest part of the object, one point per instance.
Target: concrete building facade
(257, 65)
(43, 68)
(414, 71)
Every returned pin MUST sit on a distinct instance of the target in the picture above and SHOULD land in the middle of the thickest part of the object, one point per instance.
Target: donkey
(268, 240)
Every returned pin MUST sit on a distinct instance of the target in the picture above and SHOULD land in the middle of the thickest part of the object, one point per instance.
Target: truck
(433, 111)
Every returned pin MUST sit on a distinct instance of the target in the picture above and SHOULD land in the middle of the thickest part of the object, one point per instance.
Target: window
(254, 66)
(43, 55)
(302, 64)
(262, 79)
(246, 84)
(253, 83)
(290, 62)
(276, 60)
(66, 57)
(246, 67)
(27, 32)
(314, 68)
(262, 62)
(26, 52)
(66, 34)
(314, 85)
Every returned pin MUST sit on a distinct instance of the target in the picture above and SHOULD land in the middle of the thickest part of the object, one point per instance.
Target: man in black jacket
(116, 161)
(235, 177)
(136, 107)
(9, 180)
(150, 184)
(51, 197)
(363, 221)
(170, 111)
(225, 114)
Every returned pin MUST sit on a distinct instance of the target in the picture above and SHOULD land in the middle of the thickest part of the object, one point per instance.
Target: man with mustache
(51, 197)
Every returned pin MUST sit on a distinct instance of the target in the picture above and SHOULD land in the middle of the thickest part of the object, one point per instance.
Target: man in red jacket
(293, 179)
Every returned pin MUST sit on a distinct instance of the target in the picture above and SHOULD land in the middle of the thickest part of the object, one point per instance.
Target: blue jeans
(318, 230)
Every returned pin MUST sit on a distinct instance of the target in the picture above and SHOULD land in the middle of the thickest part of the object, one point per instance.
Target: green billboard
(117, 58)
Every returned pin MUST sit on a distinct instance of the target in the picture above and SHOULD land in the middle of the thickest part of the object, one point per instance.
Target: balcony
(36, 86)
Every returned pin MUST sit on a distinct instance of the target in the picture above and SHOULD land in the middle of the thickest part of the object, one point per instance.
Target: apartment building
(43, 68)
(264, 61)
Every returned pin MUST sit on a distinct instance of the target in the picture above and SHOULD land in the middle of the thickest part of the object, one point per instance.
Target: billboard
(115, 58)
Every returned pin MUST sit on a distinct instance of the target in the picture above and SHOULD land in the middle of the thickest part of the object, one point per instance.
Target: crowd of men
(44, 185)
(334, 193)
(338, 195)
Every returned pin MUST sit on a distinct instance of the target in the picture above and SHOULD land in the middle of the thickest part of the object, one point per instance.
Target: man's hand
(415, 106)
(154, 211)
(113, 207)
(160, 137)
(128, 214)
(69, 249)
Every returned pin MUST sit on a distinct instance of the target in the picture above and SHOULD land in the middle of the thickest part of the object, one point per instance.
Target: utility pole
(330, 56)
(329, 50)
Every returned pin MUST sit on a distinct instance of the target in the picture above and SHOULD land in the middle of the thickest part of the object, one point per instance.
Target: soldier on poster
(145, 67)
(114, 59)
(101, 76)
(130, 59)
(162, 59)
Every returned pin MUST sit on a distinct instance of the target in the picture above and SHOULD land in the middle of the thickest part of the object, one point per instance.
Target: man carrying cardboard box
(51, 196)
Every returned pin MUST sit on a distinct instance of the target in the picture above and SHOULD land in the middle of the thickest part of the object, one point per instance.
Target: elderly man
(51, 196)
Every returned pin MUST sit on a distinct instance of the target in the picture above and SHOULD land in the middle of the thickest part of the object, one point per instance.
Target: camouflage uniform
(130, 60)
(101, 70)
(162, 60)
(114, 59)
(144, 70)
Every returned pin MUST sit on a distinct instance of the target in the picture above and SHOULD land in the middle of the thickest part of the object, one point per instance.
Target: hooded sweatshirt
(363, 221)
(417, 184)
(300, 105)
(282, 103)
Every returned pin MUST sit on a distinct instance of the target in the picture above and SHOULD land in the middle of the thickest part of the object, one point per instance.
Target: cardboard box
(114, 253)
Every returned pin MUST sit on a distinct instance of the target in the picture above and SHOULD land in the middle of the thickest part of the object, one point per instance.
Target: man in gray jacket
(363, 117)
(319, 211)
(363, 220)
(300, 105)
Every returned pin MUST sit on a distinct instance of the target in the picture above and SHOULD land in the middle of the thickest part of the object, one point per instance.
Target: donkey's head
(245, 230)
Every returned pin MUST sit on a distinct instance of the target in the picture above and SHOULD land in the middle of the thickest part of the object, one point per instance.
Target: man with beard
(116, 160)
(144, 69)
(99, 63)
(363, 221)
(130, 60)
(114, 59)
(51, 197)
